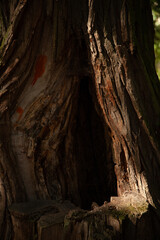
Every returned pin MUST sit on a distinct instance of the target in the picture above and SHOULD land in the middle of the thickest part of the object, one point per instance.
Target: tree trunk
(80, 108)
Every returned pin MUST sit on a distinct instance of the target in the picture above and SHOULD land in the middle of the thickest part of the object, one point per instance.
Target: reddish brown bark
(79, 102)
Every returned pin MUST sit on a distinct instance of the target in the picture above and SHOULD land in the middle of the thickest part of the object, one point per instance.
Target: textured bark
(79, 103)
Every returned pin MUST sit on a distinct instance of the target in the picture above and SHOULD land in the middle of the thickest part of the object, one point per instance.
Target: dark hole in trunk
(93, 154)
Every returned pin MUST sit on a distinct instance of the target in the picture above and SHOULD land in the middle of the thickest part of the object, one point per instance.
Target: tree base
(39, 220)
(123, 218)
(126, 217)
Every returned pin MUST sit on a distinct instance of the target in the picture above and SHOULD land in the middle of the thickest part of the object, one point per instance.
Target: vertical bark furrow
(130, 107)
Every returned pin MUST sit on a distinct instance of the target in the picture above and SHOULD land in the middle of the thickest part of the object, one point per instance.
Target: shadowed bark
(79, 103)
